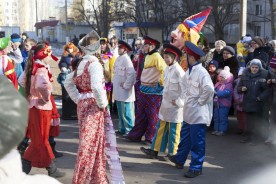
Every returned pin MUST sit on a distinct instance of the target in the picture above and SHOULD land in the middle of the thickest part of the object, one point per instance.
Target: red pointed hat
(172, 49)
(124, 45)
(151, 41)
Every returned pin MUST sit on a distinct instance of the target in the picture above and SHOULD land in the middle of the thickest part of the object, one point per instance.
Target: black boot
(56, 153)
(26, 166)
(151, 153)
(172, 159)
(53, 171)
(22, 147)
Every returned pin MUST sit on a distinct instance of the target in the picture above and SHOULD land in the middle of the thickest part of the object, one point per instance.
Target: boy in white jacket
(171, 110)
(123, 89)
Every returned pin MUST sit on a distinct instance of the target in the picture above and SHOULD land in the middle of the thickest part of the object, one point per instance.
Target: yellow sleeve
(111, 66)
(155, 60)
(240, 49)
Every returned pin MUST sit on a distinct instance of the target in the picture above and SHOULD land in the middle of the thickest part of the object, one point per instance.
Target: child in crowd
(63, 73)
(213, 70)
(171, 110)
(242, 50)
(238, 99)
(222, 101)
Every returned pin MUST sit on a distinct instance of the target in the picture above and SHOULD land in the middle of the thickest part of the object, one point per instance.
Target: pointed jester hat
(192, 25)
(90, 43)
(4, 42)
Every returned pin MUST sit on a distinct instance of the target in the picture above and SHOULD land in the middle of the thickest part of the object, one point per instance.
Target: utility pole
(36, 16)
(66, 23)
(243, 17)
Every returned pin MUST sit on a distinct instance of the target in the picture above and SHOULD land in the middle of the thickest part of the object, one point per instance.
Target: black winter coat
(218, 57)
(233, 65)
(256, 85)
(260, 53)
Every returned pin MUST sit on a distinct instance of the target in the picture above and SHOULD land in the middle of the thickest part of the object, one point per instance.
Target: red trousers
(39, 152)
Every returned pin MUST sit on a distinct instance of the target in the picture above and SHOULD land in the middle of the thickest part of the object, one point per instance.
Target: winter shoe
(151, 153)
(53, 171)
(172, 159)
(56, 153)
(26, 166)
(192, 174)
(214, 132)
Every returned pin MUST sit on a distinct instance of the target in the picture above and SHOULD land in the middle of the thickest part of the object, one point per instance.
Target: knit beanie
(256, 62)
(229, 49)
(259, 40)
(220, 43)
(213, 62)
(273, 62)
(225, 73)
(15, 38)
(246, 39)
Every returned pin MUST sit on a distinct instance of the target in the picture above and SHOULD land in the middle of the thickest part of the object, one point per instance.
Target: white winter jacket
(198, 96)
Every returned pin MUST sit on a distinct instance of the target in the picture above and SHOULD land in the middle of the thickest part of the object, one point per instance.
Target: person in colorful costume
(108, 63)
(6, 63)
(124, 94)
(198, 107)
(151, 88)
(171, 110)
(97, 142)
(38, 90)
(188, 30)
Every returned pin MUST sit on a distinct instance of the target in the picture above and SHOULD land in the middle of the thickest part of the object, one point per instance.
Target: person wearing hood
(222, 101)
(254, 86)
(97, 141)
(259, 50)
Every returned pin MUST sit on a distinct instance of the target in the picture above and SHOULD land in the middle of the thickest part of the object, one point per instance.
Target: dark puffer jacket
(256, 85)
(260, 53)
(233, 65)
(272, 86)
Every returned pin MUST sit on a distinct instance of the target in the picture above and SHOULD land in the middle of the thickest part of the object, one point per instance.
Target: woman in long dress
(86, 87)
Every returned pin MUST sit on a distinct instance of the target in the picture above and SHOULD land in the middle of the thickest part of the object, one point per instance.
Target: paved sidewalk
(227, 161)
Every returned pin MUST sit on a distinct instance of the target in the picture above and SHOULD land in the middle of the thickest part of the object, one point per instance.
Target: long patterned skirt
(91, 160)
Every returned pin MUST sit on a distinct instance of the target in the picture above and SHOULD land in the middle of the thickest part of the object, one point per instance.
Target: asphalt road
(227, 161)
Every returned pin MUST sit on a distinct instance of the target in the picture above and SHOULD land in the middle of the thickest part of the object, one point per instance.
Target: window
(257, 30)
(258, 10)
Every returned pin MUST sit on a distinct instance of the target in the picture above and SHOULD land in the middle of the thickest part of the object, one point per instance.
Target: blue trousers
(126, 116)
(221, 119)
(192, 140)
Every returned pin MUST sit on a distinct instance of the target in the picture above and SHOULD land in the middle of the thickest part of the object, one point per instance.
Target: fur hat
(272, 63)
(229, 49)
(259, 40)
(220, 43)
(256, 62)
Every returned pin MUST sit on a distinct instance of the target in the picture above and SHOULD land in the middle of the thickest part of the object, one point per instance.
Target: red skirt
(39, 153)
(54, 129)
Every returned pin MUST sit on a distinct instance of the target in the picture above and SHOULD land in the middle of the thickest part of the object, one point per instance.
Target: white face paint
(71, 50)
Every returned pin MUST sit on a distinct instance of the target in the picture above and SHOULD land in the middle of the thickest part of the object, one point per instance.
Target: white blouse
(96, 77)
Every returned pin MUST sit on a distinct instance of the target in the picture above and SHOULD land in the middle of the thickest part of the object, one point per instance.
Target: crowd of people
(165, 96)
